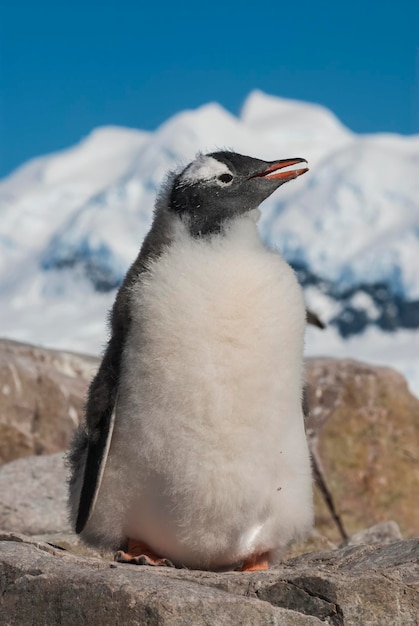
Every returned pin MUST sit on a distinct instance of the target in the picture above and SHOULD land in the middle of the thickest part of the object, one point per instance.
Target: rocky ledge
(359, 585)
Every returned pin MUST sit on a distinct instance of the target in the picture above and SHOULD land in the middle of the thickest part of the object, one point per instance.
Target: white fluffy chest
(216, 341)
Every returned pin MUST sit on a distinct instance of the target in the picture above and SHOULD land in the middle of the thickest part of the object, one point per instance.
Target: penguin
(193, 451)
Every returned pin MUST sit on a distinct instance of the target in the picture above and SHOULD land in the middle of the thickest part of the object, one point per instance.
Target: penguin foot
(255, 563)
(139, 553)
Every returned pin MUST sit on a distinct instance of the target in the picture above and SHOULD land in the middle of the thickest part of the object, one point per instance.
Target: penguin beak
(275, 171)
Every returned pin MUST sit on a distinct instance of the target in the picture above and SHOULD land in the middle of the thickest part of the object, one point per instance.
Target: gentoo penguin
(193, 452)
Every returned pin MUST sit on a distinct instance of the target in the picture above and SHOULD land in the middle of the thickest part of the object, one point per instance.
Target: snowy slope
(72, 222)
(357, 217)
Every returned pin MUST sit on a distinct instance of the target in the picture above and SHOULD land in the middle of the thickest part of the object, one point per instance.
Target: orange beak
(273, 171)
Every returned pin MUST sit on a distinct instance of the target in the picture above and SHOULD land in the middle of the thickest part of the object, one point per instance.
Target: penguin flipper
(97, 454)
(314, 320)
(95, 437)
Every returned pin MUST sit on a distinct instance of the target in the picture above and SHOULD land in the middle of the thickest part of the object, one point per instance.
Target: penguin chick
(193, 451)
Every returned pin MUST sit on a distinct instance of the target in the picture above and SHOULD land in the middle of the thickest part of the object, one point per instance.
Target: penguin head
(219, 186)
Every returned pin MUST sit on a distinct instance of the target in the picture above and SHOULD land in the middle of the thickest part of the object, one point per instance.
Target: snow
(73, 221)
(356, 219)
(325, 306)
(305, 128)
(364, 302)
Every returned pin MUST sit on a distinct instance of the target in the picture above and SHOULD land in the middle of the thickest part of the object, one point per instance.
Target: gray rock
(33, 495)
(43, 586)
(385, 532)
(355, 586)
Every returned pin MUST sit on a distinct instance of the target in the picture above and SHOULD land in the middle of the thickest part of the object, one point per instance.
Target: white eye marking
(205, 168)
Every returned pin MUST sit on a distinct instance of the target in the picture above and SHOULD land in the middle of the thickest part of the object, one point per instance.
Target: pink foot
(140, 553)
(255, 563)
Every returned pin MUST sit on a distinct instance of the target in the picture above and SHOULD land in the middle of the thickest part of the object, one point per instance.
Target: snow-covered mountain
(72, 222)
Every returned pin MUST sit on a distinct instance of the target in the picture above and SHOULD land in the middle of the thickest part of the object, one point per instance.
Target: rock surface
(363, 429)
(354, 586)
(385, 532)
(42, 394)
(33, 495)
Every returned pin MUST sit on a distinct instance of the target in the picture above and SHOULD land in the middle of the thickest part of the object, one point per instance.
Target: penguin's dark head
(219, 186)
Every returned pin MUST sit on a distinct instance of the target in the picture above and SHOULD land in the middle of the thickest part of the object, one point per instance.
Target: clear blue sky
(67, 67)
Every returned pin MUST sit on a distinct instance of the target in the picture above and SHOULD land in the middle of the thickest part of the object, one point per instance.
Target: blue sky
(67, 67)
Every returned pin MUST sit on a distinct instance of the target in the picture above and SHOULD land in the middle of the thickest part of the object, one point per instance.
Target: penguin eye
(225, 178)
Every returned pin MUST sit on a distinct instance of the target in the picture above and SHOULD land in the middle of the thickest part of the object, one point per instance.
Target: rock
(68, 540)
(33, 501)
(363, 429)
(42, 394)
(386, 532)
(315, 542)
(373, 585)
(33, 495)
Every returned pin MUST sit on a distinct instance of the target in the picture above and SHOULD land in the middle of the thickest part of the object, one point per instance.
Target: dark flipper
(97, 453)
(100, 417)
(314, 320)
